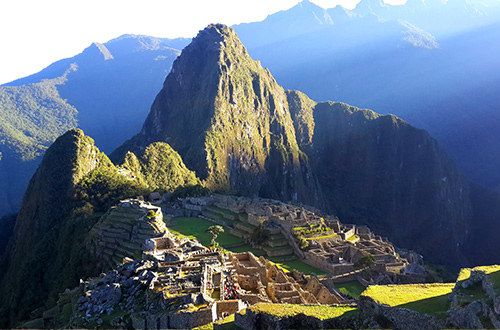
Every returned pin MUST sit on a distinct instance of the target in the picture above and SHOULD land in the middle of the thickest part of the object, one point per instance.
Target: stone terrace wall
(251, 320)
(394, 317)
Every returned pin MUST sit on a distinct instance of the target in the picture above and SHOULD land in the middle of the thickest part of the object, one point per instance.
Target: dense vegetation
(106, 90)
(160, 168)
(31, 118)
(73, 187)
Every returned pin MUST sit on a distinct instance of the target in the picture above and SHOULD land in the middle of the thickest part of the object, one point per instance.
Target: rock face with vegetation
(160, 167)
(73, 187)
(45, 253)
(381, 171)
(230, 121)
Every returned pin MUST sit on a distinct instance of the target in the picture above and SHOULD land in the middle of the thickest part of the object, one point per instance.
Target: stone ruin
(121, 232)
(332, 246)
(258, 280)
(201, 285)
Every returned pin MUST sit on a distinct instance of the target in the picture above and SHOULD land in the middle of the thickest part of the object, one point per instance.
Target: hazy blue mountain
(113, 84)
(106, 90)
(432, 63)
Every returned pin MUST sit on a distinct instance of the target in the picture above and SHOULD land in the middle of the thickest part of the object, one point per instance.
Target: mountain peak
(228, 119)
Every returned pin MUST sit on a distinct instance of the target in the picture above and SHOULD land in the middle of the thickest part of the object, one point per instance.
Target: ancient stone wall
(228, 307)
(394, 317)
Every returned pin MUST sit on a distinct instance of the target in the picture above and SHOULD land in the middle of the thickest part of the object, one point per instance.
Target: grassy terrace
(305, 228)
(322, 312)
(245, 224)
(429, 299)
(352, 238)
(492, 271)
(195, 228)
(277, 248)
(320, 237)
(354, 288)
(298, 265)
(214, 208)
(226, 324)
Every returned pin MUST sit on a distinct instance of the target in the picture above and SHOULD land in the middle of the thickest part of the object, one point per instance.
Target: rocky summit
(233, 125)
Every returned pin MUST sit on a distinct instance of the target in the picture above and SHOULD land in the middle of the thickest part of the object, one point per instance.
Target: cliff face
(381, 171)
(229, 120)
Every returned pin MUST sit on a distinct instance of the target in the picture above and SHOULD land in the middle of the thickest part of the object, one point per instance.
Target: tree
(214, 231)
(365, 261)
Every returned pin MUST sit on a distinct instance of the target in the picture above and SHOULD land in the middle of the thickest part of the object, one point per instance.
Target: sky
(36, 33)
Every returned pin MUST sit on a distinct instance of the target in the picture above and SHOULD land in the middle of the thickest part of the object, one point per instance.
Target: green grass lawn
(322, 312)
(196, 228)
(298, 265)
(320, 237)
(429, 299)
(353, 288)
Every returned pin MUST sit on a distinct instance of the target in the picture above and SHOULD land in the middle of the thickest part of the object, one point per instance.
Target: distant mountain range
(106, 90)
(433, 63)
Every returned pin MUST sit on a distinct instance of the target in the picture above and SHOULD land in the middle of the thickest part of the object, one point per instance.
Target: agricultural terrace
(432, 299)
(321, 312)
(353, 288)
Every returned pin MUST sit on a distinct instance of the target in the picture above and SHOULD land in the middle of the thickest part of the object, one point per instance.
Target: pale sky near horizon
(36, 33)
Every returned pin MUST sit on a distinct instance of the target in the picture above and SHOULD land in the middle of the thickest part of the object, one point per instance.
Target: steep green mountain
(72, 188)
(379, 170)
(106, 90)
(46, 252)
(230, 122)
